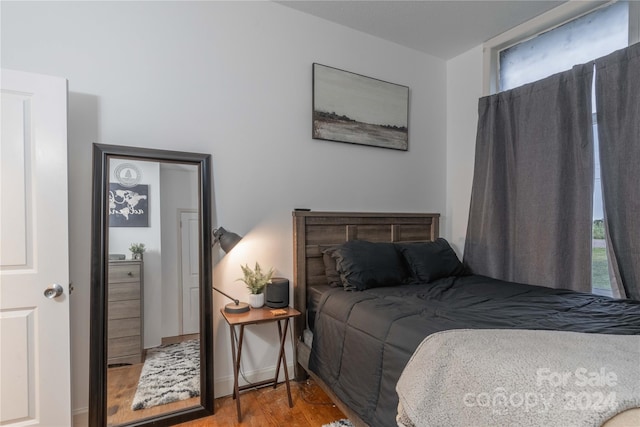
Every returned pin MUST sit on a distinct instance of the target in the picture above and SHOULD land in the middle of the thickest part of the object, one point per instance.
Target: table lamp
(227, 240)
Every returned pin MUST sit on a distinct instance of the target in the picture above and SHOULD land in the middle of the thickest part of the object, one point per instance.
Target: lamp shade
(226, 239)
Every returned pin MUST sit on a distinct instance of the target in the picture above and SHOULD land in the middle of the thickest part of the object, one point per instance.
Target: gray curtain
(530, 217)
(618, 106)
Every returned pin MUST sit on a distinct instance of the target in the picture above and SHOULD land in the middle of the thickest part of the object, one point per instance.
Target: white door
(190, 255)
(34, 330)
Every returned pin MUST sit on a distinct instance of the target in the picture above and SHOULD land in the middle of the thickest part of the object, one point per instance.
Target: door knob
(53, 291)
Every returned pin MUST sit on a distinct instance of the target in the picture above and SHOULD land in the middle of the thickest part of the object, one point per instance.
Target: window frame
(547, 21)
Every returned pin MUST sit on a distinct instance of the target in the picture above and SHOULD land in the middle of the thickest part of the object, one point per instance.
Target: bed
(357, 344)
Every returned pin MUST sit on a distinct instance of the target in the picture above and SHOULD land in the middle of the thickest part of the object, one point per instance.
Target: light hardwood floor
(269, 407)
(263, 407)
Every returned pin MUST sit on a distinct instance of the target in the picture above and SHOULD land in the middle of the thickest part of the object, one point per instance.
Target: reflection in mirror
(152, 322)
(152, 240)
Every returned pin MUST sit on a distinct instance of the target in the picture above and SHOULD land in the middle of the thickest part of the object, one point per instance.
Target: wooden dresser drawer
(124, 272)
(124, 291)
(123, 309)
(125, 346)
(119, 328)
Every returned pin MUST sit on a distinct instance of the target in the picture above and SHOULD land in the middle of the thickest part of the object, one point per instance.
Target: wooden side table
(253, 317)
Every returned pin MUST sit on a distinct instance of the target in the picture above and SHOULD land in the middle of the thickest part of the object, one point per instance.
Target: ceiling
(441, 28)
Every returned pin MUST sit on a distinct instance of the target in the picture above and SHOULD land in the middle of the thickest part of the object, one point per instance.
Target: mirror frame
(99, 264)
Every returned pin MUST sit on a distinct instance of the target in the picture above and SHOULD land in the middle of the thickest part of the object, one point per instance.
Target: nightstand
(254, 317)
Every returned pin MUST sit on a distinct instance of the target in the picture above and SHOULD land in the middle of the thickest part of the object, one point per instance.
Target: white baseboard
(81, 417)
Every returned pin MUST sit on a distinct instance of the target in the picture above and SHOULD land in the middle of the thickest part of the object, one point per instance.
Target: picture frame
(352, 108)
(128, 205)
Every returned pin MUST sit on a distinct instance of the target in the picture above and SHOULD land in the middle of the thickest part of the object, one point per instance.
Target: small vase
(137, 256)
(256, 300)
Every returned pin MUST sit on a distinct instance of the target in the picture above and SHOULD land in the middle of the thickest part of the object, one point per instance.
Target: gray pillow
(333, 277)
(364, 265)
(430, 261)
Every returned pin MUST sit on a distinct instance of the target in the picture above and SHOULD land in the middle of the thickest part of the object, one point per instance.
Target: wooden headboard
(315, 231)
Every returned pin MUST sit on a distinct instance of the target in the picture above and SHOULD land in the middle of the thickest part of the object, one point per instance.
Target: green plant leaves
(255, 279)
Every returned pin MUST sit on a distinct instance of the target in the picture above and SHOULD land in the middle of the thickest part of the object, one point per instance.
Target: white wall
(232, 79)
(464, 88)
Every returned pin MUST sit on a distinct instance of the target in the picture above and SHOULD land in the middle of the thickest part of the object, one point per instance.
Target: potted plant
(137, 249)
(256, 279)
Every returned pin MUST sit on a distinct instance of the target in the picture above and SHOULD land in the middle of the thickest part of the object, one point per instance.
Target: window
(557, 49)
(545, 23)
(576, 42)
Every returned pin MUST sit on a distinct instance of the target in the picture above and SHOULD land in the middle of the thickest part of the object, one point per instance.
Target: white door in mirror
(189, 242)
(34, 257)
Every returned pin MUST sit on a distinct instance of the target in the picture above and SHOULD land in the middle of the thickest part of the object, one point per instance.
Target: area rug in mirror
(170, 373)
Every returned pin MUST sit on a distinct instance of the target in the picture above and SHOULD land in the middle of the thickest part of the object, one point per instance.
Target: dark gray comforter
(363, 340)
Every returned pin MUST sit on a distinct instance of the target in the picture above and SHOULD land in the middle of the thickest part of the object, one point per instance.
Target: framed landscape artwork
(349, 107)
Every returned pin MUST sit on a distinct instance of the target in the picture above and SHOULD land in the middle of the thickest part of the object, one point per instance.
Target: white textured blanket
(519, 378)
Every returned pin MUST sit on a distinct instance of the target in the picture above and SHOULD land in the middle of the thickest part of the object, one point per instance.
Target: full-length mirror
(151, 313)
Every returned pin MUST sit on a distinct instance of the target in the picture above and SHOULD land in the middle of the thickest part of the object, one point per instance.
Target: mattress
(363, 340)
